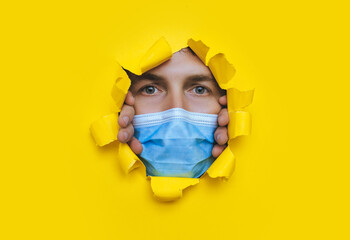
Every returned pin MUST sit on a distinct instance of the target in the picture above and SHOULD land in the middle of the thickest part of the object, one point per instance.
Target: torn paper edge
(105, 130)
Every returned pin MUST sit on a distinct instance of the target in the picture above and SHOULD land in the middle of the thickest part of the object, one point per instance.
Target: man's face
(181, 82)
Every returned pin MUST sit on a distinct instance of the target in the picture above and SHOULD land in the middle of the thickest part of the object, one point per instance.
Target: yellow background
(292, 174)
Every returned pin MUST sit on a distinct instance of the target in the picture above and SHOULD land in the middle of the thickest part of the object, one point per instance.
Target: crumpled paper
(105, 129)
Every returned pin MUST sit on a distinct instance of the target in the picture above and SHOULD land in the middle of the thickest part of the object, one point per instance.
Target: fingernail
(126, 120)
(218, 137)
(125, 136)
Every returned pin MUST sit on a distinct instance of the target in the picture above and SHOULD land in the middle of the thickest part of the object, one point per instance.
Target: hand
(126, 129)
(221, 133)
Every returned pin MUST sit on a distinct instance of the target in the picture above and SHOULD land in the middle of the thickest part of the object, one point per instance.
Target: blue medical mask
(176, 143)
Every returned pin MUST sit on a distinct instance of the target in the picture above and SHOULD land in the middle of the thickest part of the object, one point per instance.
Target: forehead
(183, 62)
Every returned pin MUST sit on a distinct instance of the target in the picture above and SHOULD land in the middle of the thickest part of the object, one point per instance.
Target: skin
(181, 82)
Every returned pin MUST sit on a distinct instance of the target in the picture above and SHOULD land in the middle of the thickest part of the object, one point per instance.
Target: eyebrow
(151, 76)
(195, 77)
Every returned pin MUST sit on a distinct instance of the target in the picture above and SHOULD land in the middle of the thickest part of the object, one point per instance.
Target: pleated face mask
(176, 143)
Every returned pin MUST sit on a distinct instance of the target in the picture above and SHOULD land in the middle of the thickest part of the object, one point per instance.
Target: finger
(135, 146)
(223, 118)
(217, 150)
(223, 100)
(129, 99)
(126, 115)
(126, 134)
(221, 135)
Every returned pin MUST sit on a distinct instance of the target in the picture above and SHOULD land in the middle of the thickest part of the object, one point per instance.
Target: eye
(149, 90)
(200, 90)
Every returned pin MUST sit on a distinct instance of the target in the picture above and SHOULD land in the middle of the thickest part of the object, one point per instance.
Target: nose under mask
(176, 143)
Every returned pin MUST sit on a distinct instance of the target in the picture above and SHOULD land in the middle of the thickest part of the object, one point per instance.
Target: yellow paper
(200, 49)
(222, 70)
(105, 130)
(223, 166)
(121, 86)
(156, 55)
(291, 178)
(127, 158)
(238, 100)
(170, 188)
(240, 124)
